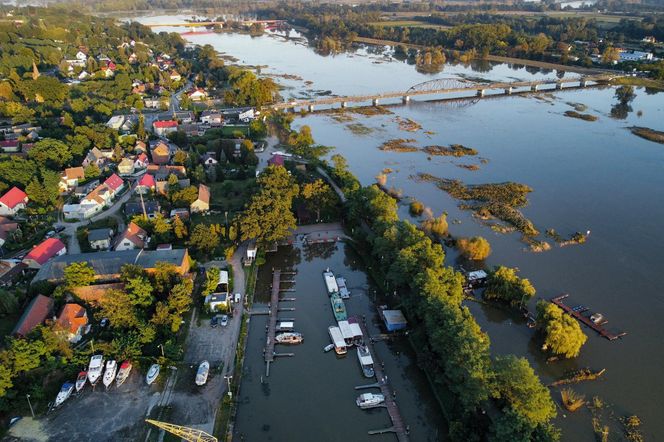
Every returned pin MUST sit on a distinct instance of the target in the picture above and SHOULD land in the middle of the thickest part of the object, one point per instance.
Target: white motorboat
(64, 393)
(123, 373)
(328, 348)
(343, 289)
(369, 400)
(330, 282)
(366, 361)
(289, 338)
(153, 372)
(202, 373)
(337, 340)
(95, 368)
(111, 371)
(80, 380)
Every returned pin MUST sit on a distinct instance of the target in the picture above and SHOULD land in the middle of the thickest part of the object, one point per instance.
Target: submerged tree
(562, 333)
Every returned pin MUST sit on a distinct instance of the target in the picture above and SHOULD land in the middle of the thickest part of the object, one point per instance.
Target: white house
(12, 201)
(80, 55)
(197, 94)
(70, 178)
(100, 239)
(132, 238)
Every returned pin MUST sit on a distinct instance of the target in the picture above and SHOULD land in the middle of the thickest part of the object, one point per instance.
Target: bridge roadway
(479, 88)
(212, 23)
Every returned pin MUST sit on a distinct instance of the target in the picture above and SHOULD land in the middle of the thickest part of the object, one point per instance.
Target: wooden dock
(599, 328)
(398, 427)
(272, 323)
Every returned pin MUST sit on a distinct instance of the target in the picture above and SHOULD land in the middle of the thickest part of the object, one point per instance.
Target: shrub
(475, 248)
(416, 208)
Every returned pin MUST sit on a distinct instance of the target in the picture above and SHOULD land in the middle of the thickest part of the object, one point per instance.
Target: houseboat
(366, 361)
(343, 290)
(289, 338)
(330, 282)
(338, 307)
(356, 331)
(337, 340)
(285, 326)
(369, 400)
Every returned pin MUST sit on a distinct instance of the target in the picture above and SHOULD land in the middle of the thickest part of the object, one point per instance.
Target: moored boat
(338, 307)
(95, 368)
(80, 380)
(343, 289)
(369, 400)
(366, 361)
(289, 338)
(123, 373)
(337, 340)
(202, 373)
(152, 374)
(111, 371)
(64, 393)
(330, 282)
(328, 347)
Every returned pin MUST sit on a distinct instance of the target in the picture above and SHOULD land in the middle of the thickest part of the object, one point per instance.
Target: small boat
(111, 371)
(289, 338)
(328, 348)
(338, 307)
(337, 340)
(95, 368)
(369, 400)
(64, 393)
(597, 318)
(80, 380)
(285, 326)
(330, 282)
(153, 372)
(343, 290)
(123, 373)
(202, 373)
(366, 361)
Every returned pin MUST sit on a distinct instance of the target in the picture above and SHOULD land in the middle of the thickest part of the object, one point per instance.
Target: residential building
(209, 159)
(635, 56)
(9, 146)
(100, 239)
(218, 302)
(132, 238)
(140, 147)
(35, 314)
(141, 161)
(211, 117)
(197, 94)
(175, 76)
(107, 265)
(146, 184)
(115, 122)
(73, 322)
(41, 253)
(94, 156)
(202, 203)
(133, 208)
(162, 128)
(93, 294)
(276, 160)
(181, 213)
(12, 201)
(161, 154)
(126, 166)
(10, 272)
(115, 183)
(7, 228)
(70, 178)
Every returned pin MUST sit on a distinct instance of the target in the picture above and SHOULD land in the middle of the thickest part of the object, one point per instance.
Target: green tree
(318, 196)
(179, 228)
(162, 229)
(6, 377)
(504, 285)
(165, 276)
(50, 152)
(140, 127)
(139, 290)
(475, 248)
(562, 333)
(246, 89)
(211, 280)
(92, 171)
(118, 308)
(26, 354)
(180, 157)
(204, 238)
(436, 226)
(79, 274)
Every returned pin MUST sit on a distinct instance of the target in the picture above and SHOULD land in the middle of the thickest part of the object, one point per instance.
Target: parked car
(60, 229)
(238, 298)
(213, 321)
(50, 233)
(224, 320)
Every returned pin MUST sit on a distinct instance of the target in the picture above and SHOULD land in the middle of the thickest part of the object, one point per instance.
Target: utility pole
(30, 404)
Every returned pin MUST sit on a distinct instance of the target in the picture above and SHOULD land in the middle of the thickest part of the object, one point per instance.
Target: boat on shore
(369, 400)
(80, 380)
(338, 307)
(111, 371)
(343, 290)
(330, 282)
(95, 368)
(337, 340)
(152, 374)
(366, 361)
(64, 393)
(123, 373)
(202, 373)
(289, 338)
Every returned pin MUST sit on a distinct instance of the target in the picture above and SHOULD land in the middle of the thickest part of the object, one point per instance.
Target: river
(593, 176)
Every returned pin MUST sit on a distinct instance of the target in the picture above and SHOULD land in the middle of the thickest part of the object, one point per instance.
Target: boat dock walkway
(272, 323)
(398, 427)
(599, 328)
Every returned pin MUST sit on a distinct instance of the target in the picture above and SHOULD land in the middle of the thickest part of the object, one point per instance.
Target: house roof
(96, 194)
(165, 124)
(72, 173)
(143, 158)
(135, 208)
(204, 193)
(197, 90)
(126, 162)
(99, 234)
(107, 264)
(91, 293)
(9, 143)
(277, 160)
(45, 251)
(38, 310)
(13, 197)
(161, 150)
(134, 234)
(114, 182)
(72, 317)
(147, 180)
(95, 154)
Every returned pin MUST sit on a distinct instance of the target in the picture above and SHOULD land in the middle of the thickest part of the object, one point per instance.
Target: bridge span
(449, 86)
(196, 24)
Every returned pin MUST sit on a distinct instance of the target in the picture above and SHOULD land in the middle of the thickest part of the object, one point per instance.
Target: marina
(597, 324)
(275, 324)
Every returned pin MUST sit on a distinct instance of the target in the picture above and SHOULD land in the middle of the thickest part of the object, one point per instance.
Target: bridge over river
(433, 89)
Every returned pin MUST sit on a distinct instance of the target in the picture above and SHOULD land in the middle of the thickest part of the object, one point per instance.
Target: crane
(186, 433)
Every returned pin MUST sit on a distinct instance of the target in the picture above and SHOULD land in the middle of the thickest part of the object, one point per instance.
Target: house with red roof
(197, 94)
(7, 227)
(161, 154)
(276, 160)
(146, 184)
(162, 128)
(132, 238)
(12, 201)
(141, 161)
(202, 203)
(41, 253)
(70, 178)
(115, 183)
(73, 322)
(35, 314)
(9, 146)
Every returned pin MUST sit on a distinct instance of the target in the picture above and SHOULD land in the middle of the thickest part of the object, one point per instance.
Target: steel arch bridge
(439, 84)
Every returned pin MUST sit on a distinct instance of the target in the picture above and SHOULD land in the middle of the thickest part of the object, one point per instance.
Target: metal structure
(440, 84)
(186, 433)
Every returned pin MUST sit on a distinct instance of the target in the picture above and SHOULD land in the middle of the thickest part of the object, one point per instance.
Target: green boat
(338, 307)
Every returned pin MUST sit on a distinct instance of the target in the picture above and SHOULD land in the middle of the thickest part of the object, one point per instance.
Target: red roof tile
(114, 182)
(147, 180)
(163, 124)
(45, 251)
(72, 317)
(34, 314)
(13, 197)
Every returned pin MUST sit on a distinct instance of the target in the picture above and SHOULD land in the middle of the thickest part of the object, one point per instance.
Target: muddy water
(593, 176)
(311, 396)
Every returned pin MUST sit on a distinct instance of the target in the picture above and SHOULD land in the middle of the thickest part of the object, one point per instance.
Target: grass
(406, 24)
(585, 117)
(649, 134)
(454, 150)
(399, 145)
(231, 195)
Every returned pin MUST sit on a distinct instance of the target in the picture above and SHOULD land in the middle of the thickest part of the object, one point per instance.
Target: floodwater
(311, 395)
(593, 176)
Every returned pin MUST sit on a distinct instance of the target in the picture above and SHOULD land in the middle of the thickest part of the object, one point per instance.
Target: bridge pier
(344, 104)
(480, 93)
(375, 102)
(508, 90)
(534, 87)
(583, 82)
(405, 99)
(559, 85)
(310, 108)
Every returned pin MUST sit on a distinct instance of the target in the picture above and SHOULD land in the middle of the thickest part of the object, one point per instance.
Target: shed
(394, 320)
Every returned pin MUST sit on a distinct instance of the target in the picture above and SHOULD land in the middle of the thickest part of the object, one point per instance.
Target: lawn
(407, 24)
(231, 195)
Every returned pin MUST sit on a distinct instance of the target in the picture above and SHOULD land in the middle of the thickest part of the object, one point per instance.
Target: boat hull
(152, 374)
